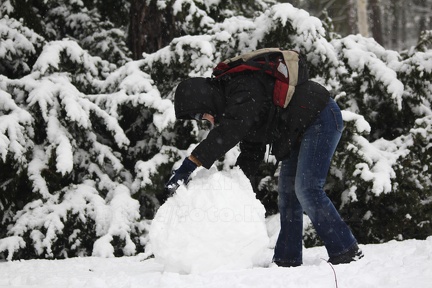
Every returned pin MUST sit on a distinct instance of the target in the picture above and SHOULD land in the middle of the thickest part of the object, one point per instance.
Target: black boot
(287, 263)
(351, 255)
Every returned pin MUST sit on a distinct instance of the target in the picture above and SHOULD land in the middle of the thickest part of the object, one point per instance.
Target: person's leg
(316, 151)
(288, 250)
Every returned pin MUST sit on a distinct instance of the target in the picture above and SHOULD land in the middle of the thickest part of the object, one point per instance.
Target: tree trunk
(403, 34)
(151, 28)
(376, 22)
(352, 17)
(362, 18)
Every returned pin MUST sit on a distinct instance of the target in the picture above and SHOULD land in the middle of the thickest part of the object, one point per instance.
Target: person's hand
(180, 176)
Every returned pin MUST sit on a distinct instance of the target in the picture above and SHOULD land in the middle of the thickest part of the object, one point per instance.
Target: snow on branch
(193, 13)
(359, 55)
(14, 129)
(38, 163)
(11, 245)
(379, 161)
(305, 31)
(6, 8)
(360, 124)
(59, 136)
(17, 44)
(417, 73)
(67, 50)
(423, 129)
(196, 51)
(146, 169)
(420, 61)
(376, 162)
(114, 216)
(131, 85)
(103, 152)
(122, 217)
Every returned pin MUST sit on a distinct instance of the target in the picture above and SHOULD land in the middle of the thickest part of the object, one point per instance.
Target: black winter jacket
(244, 113)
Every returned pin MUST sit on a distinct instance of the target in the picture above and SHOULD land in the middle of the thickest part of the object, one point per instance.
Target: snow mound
(214, 223)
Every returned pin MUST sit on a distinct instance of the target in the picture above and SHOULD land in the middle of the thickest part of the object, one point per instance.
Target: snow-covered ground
(213, 233)
(391, 265)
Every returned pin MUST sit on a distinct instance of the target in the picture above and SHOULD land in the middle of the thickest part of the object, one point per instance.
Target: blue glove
(181, 175)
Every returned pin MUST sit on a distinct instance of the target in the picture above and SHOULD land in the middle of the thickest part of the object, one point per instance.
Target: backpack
(286, 66)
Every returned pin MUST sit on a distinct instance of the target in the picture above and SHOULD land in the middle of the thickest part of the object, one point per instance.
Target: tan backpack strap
(291, 59)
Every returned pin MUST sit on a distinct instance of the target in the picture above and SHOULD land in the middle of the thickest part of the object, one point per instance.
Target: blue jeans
(301, 181)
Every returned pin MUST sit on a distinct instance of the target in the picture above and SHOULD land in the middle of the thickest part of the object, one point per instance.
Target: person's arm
(250, 158)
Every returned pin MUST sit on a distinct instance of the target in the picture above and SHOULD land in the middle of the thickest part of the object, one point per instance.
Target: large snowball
(215, 222)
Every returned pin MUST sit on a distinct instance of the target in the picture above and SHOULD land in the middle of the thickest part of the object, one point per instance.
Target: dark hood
(198, 95)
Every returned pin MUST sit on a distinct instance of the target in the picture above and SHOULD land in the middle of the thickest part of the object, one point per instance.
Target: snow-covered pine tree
(381, 162)
(92, 24)
(65, 135)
